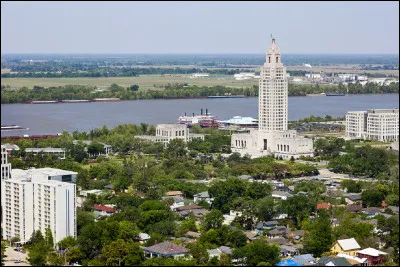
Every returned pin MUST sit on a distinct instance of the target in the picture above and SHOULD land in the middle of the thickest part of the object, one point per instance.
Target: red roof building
(323, 206)
(105, 209)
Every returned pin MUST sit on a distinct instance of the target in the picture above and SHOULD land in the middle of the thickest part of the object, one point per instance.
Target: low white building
(106, 148)
(373, 124)
(285, 144)
(202, 196)
(60, 152)
(167, 132)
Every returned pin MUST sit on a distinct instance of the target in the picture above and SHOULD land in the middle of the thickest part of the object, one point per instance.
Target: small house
(346, 246)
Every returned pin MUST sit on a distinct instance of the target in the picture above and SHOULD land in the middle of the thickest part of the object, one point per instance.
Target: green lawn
(145, 82)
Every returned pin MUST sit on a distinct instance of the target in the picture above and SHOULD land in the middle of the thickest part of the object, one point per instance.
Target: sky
(199, 27)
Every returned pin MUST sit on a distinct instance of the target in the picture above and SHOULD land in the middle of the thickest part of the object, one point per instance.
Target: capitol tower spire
(273, 92)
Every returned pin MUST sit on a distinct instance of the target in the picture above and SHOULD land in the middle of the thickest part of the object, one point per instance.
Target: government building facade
(272, 137)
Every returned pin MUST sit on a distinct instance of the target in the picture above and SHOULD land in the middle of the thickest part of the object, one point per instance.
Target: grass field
(145, 81)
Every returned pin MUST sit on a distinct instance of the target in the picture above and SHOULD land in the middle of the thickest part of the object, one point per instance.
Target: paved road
(12, 255)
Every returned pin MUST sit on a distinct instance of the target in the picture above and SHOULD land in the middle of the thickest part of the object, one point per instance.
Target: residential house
(373, 256)
(143, 238)
(352, 198)
(261, 226)
(353, 260)
(165, 249)
(228, 218)
(185, 210)
(354, 208)
(279, 241)
(218, 251)
(175, 194)
(275, 233)
(177, 202)
(282, 189)
(192, 234)
(332, 261)
(371, 211)
(305, 258)
(394, 209)
(346, 246)
(287, 251)
(281, 195)
(251, 235)
(323, 206)
(202, 196)
(296, 235)
(104, 210)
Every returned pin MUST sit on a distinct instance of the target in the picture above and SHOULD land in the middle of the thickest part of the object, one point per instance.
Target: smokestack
(206, 111)
(201, 111)
(185, 113)
(193, 114)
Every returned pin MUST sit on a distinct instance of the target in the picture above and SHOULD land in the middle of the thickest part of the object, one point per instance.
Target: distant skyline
(199, 27)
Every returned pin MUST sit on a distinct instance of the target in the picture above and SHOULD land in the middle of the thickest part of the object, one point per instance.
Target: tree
(74, 254)
(49, 238)
(319, 238)
(38, 255)
(256, 252)
(176, 148)
(199, 252)
(264, 209)
(212, 220)
(95, 148)
(121, 253)
(372, 198)
(134, 87)
(36, 238)
(258, 190)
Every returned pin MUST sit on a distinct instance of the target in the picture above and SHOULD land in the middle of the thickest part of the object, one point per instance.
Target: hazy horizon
(199, 27)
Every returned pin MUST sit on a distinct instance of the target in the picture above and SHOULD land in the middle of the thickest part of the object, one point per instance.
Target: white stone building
(36, 203)
(37, 199)
(167, 132)
(60, 152)
(272, 137)
(373, 124)
(5, 166)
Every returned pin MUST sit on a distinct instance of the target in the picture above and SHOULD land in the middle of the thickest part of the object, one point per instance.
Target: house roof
(352, 259)
(371, 252)
(245, 176)
(225, 249)
(202, 195)
(354, 207)
(276, 232)
(279, 241)
(288, 248)
(144, 236)
(103, 208)
(323, 206)
(174, 193)
(337, 261)
(305, 257)
(189, 207)
(271, 223)
(354, 197)
(166, 248)
(348, 244)
(371, 210)
(192, 234)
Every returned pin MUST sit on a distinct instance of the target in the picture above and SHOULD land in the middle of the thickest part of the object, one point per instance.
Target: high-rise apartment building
(273, 92)
(5, 166)
(38, 199)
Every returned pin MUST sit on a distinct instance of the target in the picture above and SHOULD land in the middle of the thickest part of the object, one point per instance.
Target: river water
(55, 118)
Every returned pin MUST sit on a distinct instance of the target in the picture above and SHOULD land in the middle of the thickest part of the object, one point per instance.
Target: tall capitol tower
(273, 92)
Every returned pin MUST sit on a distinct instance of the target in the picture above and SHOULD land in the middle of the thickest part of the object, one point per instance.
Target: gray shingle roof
(166, 248)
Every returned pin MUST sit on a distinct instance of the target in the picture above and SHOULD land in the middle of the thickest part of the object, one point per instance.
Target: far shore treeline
(78, 92)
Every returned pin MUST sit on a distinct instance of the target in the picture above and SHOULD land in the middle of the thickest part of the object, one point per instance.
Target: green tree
(372, 198)
(49, 241)
(212, 220)
(319, 239)
(176, 148)
(199, 252)
(74, 254)
(38, 255)
(256, 252)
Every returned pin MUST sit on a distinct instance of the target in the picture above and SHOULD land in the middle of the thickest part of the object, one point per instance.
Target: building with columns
(272, 137)
(167, 132)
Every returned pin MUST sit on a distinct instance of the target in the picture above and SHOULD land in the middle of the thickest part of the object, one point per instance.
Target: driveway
(12, 255)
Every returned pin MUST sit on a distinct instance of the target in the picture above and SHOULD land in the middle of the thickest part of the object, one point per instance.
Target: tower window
(269, 59)
(277, 59)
